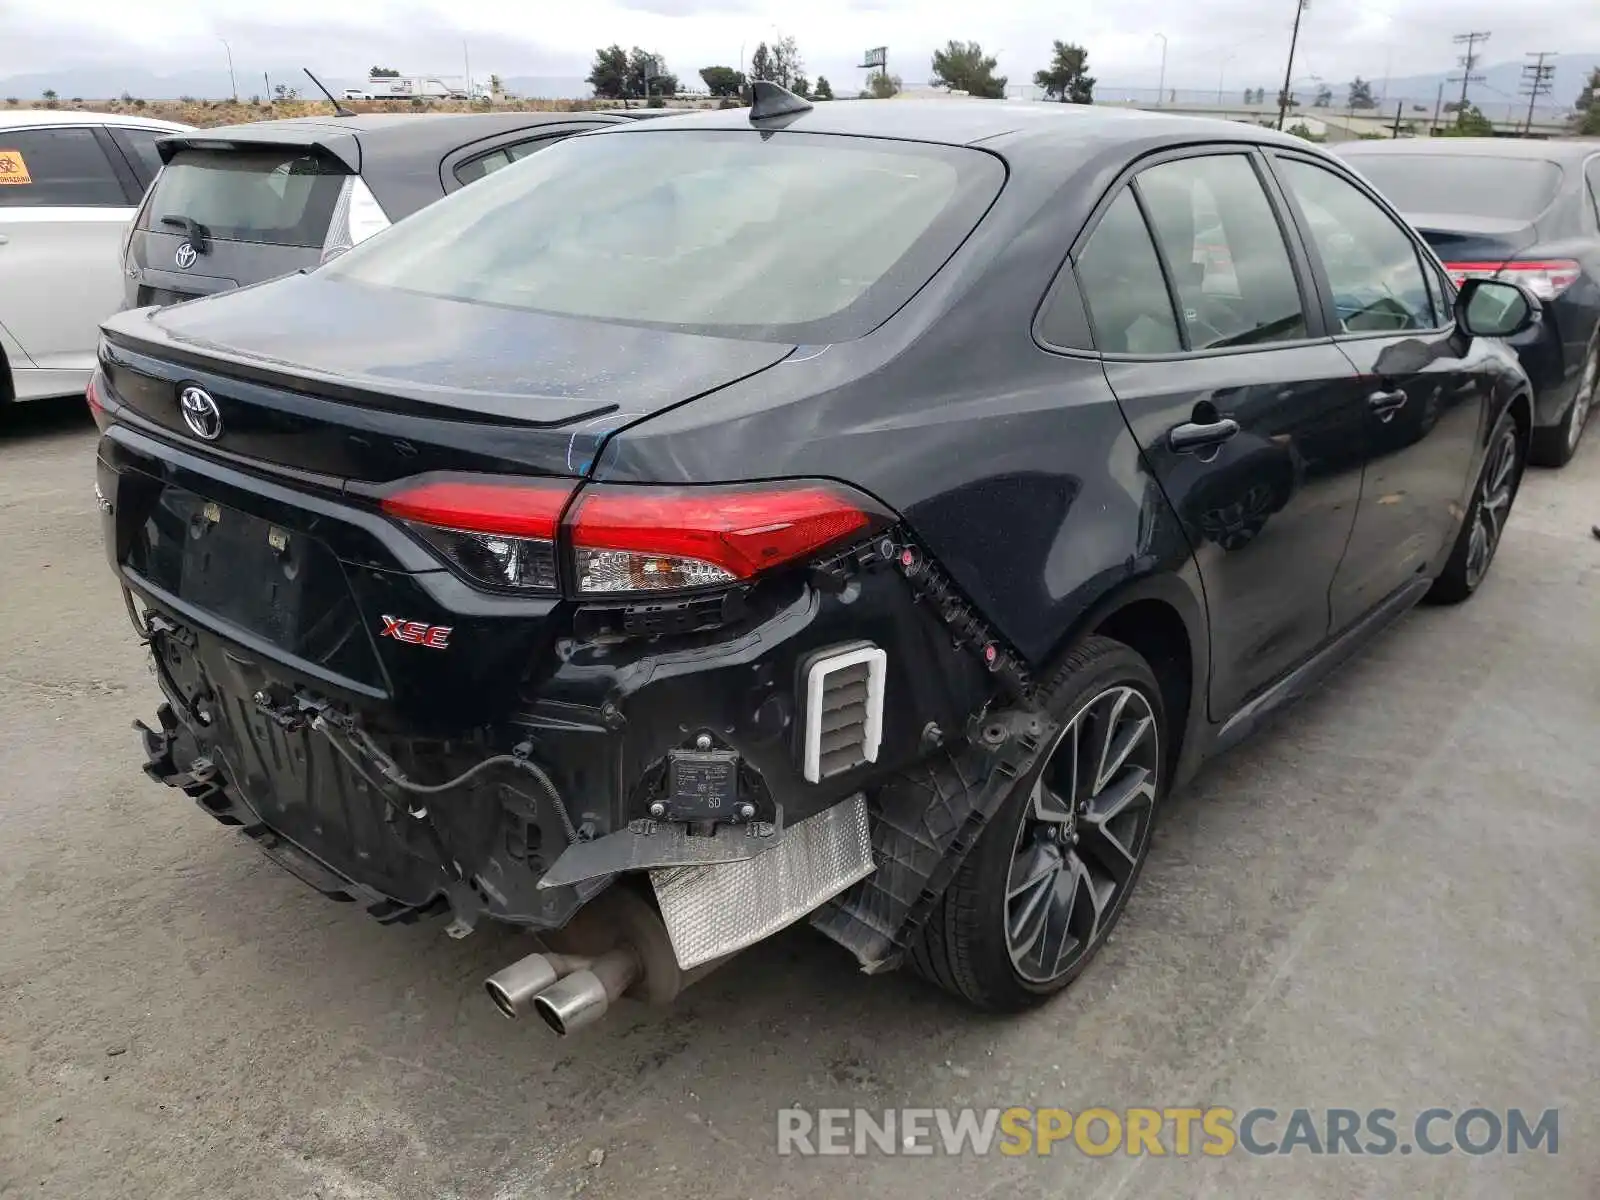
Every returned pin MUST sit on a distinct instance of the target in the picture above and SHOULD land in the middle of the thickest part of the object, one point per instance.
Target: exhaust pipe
(582, 997)
(513, 988)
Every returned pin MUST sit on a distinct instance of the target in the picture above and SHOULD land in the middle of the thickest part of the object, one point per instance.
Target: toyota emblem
(200, 413)
(185, 256)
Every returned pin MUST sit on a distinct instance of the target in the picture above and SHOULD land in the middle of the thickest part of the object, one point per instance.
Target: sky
(1206, 39)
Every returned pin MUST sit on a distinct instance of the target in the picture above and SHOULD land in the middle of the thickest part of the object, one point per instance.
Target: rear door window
(1226, 255)
(269, 195)
(57, 168)
(139, 148)
(1120, 277)
(475, 169)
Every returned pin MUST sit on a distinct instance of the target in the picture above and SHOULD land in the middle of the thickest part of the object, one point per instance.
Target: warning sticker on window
(13, 168)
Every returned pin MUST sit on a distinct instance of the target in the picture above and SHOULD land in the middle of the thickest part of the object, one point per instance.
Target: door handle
(1386, 404)
(1192, 436)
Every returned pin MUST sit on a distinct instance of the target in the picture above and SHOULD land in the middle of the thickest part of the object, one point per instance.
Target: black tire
(1464, 570)
(1554, 445)
(966, 946)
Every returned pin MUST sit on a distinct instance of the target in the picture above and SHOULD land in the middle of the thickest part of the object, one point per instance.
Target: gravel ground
(1387, 899)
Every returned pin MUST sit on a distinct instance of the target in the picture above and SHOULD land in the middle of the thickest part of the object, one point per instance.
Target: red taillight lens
(641, 539)
(97, 406)
(1545, 278)
(499, 532)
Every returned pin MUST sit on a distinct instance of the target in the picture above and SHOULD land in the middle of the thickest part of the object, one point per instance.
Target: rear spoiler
(338, 144)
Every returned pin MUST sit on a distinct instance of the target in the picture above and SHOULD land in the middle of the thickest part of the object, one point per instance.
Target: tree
(1470, 122)
(1301, 130)
(722, 81)
(496, 85)
(788, 68)
(609, 74)
(1067, 79)
(761, 64)
(1249, 96)
(643, 64)
(1261, 95)
(1324, 97)
(383, 73)
(963, 67)
(800, 86)
(1293, 101)
(281, 91)
(1587, 106)
(882, 86)
(49, 93)
(823, 90)
(1361, 94)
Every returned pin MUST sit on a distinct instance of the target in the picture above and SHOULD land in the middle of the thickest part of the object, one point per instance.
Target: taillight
(356, 217)
(1545, 278)
(504, 533)
(500, 533)
(97, 406)
(649, 539)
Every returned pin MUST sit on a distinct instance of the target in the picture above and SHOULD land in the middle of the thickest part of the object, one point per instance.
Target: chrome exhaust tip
(514, 988)
(581, 998)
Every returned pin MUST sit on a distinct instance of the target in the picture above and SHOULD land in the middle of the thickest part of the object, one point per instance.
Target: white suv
(70, 183)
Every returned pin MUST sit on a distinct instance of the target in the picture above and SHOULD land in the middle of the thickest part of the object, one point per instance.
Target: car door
(1426, 401)
(1212, 339)
(63, 213)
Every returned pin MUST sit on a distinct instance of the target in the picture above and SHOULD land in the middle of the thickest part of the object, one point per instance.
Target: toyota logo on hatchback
(185, 256)
(200, 413)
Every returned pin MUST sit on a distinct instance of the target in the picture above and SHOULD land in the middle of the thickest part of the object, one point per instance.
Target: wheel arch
(1161, 616)
(8, 382)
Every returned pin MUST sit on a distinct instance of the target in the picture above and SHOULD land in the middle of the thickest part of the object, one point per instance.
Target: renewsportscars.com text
(1214, 1131)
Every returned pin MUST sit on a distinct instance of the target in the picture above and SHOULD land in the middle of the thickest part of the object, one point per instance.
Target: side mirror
(1495, 308)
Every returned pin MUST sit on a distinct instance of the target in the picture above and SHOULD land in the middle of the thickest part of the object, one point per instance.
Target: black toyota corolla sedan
(1502, 208)
(866, 513)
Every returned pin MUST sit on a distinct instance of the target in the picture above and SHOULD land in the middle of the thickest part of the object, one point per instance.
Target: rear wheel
(1051, 873)
(1486, 518)
(1555, 446)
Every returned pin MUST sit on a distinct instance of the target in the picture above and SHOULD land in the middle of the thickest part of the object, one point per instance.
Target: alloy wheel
(1084, 835)
(1494, 505)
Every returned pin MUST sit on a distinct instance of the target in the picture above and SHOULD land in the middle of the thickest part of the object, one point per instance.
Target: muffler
(513, 988)
(582, 998)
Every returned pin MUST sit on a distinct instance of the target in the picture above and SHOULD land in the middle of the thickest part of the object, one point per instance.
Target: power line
(1468, 61)
(1537, 80)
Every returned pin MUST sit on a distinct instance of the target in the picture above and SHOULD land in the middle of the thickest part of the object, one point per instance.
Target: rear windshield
(793, 237)
(1513, 189)
(277, 196)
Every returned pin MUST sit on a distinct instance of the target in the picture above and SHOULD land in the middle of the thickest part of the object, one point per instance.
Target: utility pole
(232, 83)
(1161, 91)
(1300, 7)
(1399, 108)
(1537, 80)
(1438, 103)
(1468, 61)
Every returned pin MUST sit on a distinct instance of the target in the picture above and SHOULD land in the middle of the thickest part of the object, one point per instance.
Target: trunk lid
(352, 382)
(1460, 238)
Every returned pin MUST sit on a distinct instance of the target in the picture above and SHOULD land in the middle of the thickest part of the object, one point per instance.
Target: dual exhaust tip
(567, 992)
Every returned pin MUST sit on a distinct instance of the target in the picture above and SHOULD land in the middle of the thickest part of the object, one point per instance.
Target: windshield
(794, 237)
(282, 196)
(1513, 189)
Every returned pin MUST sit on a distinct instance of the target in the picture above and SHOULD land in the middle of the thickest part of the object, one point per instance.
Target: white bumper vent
(844, 710)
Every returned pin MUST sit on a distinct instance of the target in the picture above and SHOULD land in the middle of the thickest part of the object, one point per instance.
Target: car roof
(399, 134)
(31, 117)
(1024, 128)
(1556, 150)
